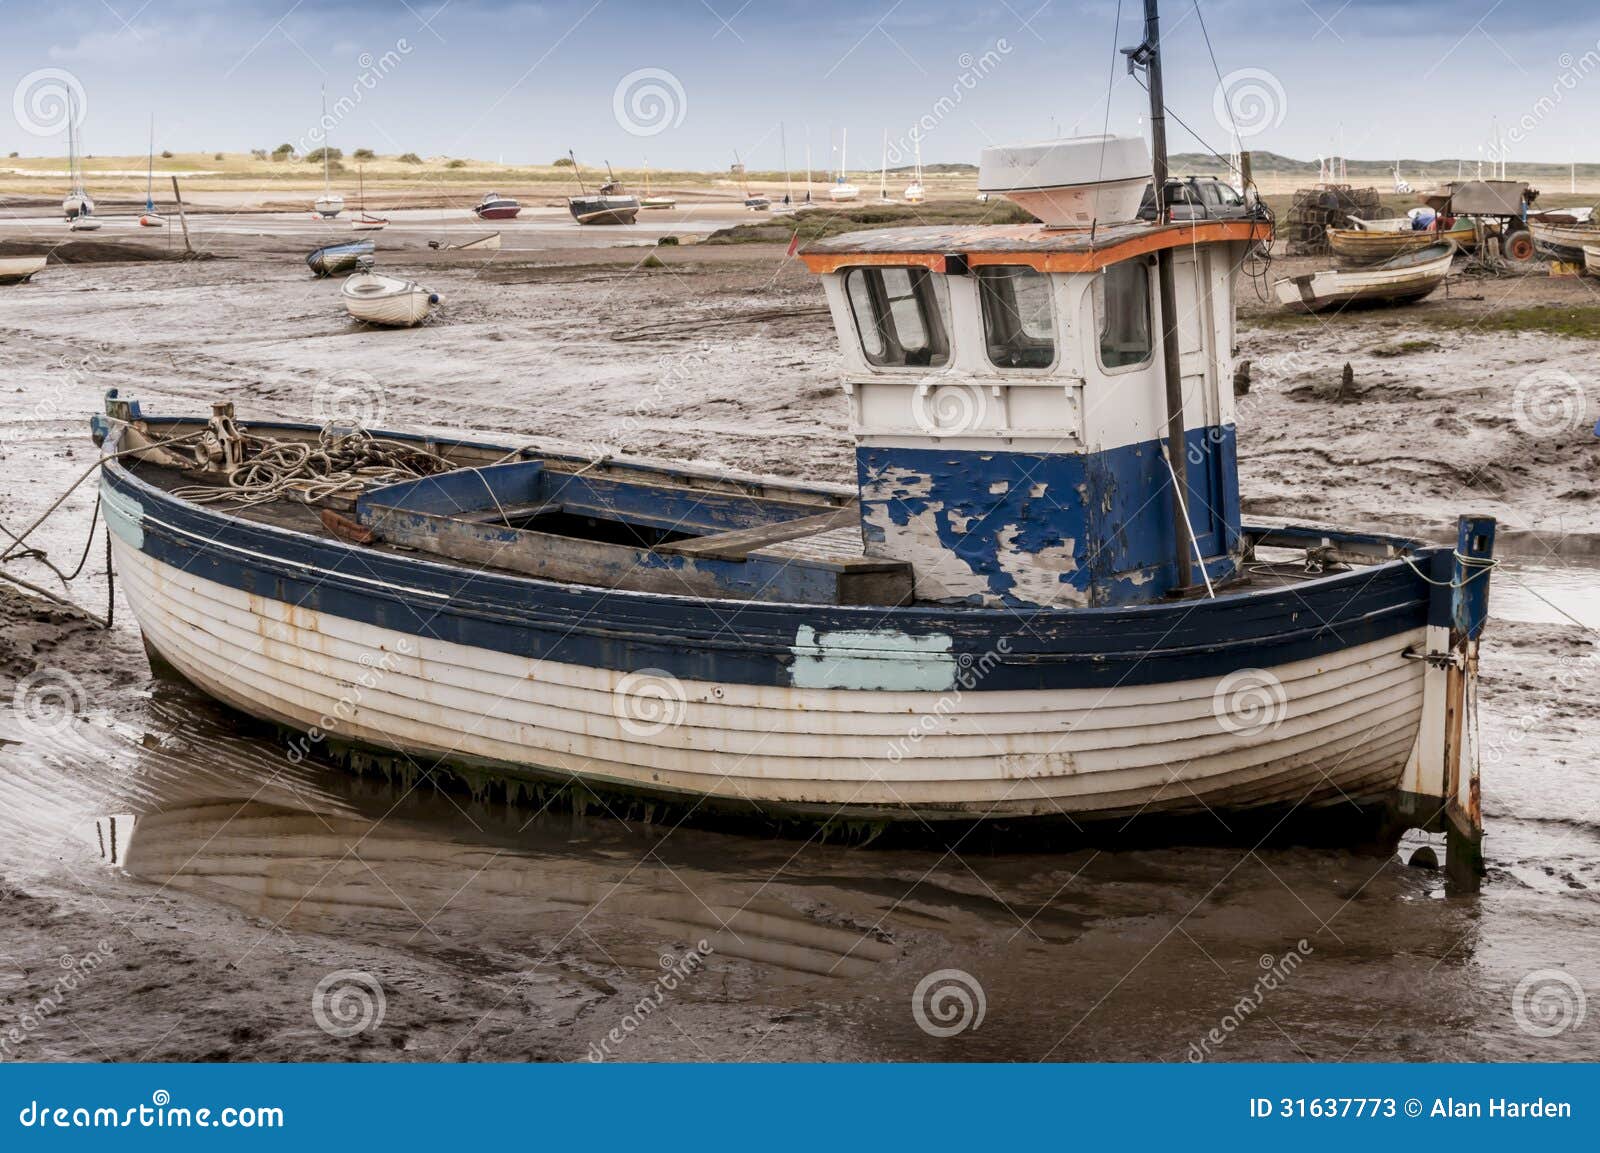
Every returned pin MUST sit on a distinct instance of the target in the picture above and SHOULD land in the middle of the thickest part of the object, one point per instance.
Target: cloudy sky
(686, 83)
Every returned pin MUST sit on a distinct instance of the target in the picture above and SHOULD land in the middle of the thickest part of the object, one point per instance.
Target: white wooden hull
(1591, 259)
(1349, 725)
(384, 300)
(1334, 288)
(16, 269)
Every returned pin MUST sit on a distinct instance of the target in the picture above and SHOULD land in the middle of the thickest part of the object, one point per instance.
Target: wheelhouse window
(902, 315)
(1122, 314)
(1017, 322)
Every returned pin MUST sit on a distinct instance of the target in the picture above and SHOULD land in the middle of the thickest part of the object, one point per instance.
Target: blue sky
(524, 81)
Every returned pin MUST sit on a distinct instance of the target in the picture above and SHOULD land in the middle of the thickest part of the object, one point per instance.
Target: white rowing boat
(17, 269)
(387, 300)
(1399, 280)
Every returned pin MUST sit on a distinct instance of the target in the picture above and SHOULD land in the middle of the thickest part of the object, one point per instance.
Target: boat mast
(1148, 56)
(883, 169)
(808, 164)
(326, 187)
(788, 181)
(150, 169)
(578, 172)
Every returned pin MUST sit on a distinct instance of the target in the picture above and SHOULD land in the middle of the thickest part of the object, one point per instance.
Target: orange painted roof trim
(1085, 259)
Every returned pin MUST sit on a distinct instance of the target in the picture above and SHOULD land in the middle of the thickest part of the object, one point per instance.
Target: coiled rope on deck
(339, 462)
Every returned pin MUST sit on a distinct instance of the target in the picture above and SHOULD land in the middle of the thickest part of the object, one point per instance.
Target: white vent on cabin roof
(1073, 182)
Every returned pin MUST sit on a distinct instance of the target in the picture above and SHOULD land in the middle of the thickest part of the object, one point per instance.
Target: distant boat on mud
(496, 207)
(387, 300)
(610, 204)
(333, 259)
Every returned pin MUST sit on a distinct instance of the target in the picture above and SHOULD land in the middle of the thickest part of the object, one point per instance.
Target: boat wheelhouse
(1006, 389)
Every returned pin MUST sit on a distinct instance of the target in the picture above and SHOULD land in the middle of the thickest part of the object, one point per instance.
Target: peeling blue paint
(1061, 528)
(873, 659)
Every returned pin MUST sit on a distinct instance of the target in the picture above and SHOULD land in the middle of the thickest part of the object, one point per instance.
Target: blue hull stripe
(753, 643)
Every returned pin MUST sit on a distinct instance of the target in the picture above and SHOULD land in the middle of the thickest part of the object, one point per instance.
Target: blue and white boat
(334, 259)
(1028, 608)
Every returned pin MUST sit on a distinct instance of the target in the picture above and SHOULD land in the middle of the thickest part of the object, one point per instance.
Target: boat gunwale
(1422, 555)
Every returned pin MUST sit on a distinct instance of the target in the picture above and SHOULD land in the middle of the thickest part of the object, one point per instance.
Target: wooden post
(182, 219)
(1469, 610)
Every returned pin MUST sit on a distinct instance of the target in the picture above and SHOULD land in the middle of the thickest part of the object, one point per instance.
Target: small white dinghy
(84, 224)
(1398, 280)
(387, 300)
(17, 269)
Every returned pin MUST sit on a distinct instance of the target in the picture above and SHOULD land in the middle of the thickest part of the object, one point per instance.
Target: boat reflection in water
(319, 871)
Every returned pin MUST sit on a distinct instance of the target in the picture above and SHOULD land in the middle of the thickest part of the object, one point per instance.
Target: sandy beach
(514, 935)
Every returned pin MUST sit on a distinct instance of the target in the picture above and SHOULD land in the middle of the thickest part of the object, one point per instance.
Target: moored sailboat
(78, 205)
(365, 221)
(150, 218)
(650, 201)
(841, 188)
(330, 203)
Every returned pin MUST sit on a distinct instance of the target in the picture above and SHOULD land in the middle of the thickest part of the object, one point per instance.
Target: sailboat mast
(1149, 54)
(808, 164)
(326, 187)
(788, 181)
(578, 172)
(883, 169)
(150, 169)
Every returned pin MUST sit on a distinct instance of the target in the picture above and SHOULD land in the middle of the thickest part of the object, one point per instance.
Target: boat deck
(813, 558)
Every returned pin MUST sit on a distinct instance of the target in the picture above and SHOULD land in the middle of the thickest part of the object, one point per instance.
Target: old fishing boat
(1398, 280)
(1359, 246)
(1037, 604)
(1591, 259)
(19, 269)
(610, 204)
(496, 207)
(1563, 241)
(336, 259)
(387, 300)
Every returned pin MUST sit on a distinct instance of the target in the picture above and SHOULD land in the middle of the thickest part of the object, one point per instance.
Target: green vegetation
(281, 152)
(1404, 348)
(563, 162)
(364, 154)
(827, 220)
(456, 164)
(409, 158)
(315, 156)
(652, 261)
(1582, 322)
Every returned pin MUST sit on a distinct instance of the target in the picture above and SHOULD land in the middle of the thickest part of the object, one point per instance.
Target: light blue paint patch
(872, 659)
(124, 515)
